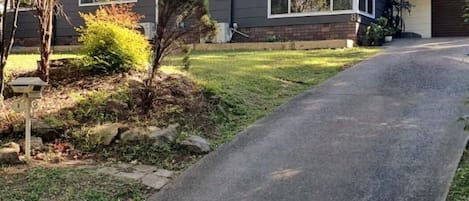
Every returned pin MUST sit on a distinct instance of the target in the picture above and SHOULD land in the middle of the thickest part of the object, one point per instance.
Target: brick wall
(345, 30)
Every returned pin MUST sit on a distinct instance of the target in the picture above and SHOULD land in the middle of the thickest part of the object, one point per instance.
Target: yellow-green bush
(111, 47)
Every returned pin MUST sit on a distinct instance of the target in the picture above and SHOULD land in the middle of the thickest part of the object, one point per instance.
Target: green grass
(460, 187)
(67, 184)
(254, 83)
(27, 62)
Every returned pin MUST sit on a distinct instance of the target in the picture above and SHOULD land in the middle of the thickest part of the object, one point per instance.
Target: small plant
(375, 34)
(274, 38)
(111, 45)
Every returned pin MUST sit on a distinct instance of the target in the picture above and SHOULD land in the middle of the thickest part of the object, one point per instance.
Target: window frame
(106, 3)
(355, 10)
(366, 13)
(20, 9)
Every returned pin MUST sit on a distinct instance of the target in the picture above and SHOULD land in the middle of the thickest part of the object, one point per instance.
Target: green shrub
(375, 34)
(110, 47)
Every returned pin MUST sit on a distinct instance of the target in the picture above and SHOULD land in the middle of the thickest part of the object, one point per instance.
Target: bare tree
(178, 20)
(44, 10)
(7, 43)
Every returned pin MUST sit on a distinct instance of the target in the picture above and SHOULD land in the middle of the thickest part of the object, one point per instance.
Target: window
(308, 6)
(366, 6)
(295, 8)
(25, 5)
(102, 2)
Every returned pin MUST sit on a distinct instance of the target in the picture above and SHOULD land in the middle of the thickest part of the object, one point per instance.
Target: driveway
(385, 130)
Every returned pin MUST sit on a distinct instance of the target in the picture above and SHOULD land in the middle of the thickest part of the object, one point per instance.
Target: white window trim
(355, 10)
(20, 9)
(106, 3)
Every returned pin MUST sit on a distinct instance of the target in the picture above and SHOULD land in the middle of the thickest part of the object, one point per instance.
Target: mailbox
(30, 86)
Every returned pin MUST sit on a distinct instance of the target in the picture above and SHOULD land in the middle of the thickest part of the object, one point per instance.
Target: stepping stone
(131, 175)
(145, 168)
(164, 173)
(155, 181)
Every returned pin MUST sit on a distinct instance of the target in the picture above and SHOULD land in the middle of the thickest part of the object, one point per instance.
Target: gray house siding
(220, 10)
(28, 28)
(27, 25)
(64, 28)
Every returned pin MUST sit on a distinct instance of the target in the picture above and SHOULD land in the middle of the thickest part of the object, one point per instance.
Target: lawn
(460, 187)
(249, 85)
(65, 184)
(254, 83)
(25, 62)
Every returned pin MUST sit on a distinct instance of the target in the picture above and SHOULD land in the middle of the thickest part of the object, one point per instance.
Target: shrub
(120, 14)
(110, 46)
(375, 34)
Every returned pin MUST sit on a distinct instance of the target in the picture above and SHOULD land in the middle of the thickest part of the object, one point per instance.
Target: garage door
(447, 20)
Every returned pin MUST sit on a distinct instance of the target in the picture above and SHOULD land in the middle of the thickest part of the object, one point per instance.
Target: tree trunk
(2, 83)
(45, 27)
(6, 47)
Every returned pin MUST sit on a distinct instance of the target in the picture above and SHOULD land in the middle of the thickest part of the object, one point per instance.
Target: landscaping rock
(134, 134)
(153, 129)
(145, 168)
(164, 173)
(36, 144)
(155, 181)
(196, 144)
(165, 136)
(106, 134)
(9, 153)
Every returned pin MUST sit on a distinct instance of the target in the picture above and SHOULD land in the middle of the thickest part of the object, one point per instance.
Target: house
(261, 20)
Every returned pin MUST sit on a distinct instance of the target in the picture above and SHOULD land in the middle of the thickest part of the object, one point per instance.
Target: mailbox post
(31, 88)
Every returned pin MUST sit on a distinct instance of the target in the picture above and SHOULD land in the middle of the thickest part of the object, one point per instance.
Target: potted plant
(388, 33)
(388, 29)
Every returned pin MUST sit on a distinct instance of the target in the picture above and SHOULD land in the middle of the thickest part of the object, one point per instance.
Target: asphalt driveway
(384, 130)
